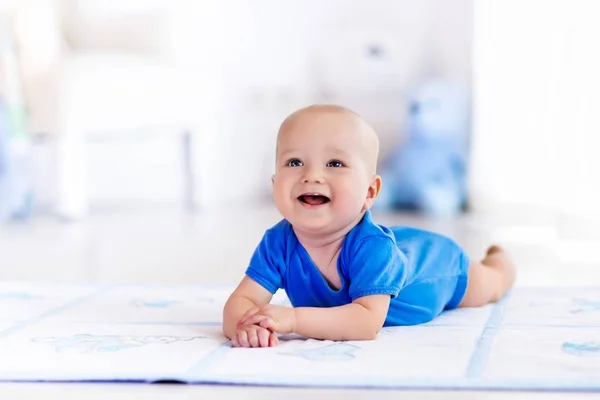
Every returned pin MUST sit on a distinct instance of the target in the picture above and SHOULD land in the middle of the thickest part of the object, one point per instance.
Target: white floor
(168, 246)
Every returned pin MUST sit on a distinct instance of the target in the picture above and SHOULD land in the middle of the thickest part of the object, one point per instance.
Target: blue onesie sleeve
(376, 267)
(266, 265)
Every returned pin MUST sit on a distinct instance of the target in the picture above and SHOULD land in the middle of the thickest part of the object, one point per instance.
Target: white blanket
(535, 338)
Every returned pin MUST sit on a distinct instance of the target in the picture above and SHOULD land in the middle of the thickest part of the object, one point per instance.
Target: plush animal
(427, 171)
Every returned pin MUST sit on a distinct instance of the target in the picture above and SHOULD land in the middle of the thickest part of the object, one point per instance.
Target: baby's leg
(489, 279)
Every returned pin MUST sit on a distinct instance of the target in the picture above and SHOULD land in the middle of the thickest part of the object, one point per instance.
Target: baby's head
(326, 169)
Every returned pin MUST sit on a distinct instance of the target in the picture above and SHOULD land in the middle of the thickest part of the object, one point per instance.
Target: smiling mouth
(313, 199)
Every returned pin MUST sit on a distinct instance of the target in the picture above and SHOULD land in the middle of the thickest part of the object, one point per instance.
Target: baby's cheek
(350, 200)
(279, 188)
(354, 189)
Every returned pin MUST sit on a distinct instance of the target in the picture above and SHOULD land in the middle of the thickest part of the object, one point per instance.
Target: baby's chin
(318, 227)
(305, 223)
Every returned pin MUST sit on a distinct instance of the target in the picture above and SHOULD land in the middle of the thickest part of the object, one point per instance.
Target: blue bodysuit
(424, 273)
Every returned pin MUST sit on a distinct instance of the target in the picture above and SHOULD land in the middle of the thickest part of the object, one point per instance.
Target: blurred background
(112, 91)
(135, 132)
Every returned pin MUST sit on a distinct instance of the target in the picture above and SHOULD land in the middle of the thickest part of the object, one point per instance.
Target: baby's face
(324, 172)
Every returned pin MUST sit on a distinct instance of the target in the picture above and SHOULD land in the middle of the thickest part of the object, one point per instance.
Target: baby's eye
(294, 163)
(335, 164)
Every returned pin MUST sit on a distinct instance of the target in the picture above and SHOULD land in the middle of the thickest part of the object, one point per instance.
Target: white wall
(283, 55)
(536, 125)
(246, 64)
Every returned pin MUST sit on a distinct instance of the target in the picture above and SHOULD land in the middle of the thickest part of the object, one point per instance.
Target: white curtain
(536, 106)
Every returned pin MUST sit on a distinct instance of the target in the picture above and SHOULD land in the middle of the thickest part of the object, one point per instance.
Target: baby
(345, 275)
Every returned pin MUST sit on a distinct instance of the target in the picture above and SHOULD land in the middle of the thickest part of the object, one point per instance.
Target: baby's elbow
(370, 316)
(371, 335)
(369, 332)
(369, 329)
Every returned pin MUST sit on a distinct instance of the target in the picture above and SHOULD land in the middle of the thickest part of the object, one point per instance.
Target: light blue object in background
(427, 171)
(16, 191)
(4, 165)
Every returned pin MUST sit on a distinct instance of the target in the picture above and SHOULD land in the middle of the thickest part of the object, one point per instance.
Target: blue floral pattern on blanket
(166, 303)
(18, 296)
(582, 348)
(332, 352)
(87, 343)
(584, 306)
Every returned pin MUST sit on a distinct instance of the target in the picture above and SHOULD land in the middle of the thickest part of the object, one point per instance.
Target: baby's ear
(372, 192)
(273, 179)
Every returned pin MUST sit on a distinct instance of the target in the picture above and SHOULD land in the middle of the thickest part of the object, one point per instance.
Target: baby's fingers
(267, 323)
(253, 338)
(242, 338)
(254, 319)
(273, 340)
(263, 337)
(248, 314)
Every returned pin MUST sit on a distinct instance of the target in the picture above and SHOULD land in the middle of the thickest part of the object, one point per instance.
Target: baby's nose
(313, 175)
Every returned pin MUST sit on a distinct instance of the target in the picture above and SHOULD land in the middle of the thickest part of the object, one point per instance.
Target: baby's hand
(275, 318)
(253, 336)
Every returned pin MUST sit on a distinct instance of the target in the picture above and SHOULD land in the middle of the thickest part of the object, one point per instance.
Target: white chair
(106, 77)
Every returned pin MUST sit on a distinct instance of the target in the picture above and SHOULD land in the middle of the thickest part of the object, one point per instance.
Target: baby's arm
(246, 296)
(360, 320)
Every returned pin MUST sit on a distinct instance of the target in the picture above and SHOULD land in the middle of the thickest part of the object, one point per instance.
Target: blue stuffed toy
(427, 171)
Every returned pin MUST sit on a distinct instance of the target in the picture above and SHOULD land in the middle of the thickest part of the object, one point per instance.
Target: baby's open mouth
(313, 199)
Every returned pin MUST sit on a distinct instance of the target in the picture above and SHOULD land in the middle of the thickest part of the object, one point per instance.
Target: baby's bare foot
(494, 249)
